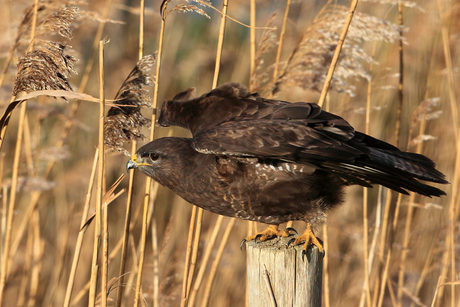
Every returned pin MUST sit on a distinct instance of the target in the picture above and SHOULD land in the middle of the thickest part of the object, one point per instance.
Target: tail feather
(389, 159)
(365, 175)
(405, 164)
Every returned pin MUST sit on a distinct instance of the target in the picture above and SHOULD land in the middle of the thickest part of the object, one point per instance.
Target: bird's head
(165, 160)
(141, 162)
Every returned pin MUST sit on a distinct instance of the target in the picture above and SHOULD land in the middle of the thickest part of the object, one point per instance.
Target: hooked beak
(130, 165)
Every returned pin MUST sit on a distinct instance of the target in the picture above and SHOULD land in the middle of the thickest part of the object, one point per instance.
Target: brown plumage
(271, 161)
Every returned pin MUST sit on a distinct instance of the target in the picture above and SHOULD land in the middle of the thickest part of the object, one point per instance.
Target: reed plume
(125, 121)
(308, 64)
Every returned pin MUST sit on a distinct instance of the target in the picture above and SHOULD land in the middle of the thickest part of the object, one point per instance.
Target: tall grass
(49, 164)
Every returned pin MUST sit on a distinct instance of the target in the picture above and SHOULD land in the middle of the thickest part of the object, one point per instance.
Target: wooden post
(273, 268)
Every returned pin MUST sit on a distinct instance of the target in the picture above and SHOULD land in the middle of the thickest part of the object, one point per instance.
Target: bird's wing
(325, 147)
(232, 102)
(289, 140)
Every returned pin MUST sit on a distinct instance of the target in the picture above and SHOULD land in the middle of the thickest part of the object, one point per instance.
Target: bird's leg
(308, 237)
(269, 233)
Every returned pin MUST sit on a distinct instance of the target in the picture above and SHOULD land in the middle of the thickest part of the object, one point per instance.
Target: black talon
(257, 237)
(323, 253)
(289, 242)
(242, 242)
(291, 229)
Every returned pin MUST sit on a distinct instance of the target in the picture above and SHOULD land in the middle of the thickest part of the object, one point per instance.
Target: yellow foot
(269, 233)
(309, 238)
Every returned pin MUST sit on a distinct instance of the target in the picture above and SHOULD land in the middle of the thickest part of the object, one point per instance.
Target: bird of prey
(272, 161)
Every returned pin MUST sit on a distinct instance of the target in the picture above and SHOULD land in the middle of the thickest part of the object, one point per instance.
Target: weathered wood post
(277, 276)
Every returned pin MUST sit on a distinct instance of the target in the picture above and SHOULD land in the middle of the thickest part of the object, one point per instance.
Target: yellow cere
(134, 159)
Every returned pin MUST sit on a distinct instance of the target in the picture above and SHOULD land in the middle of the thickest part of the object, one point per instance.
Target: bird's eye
(154, 156)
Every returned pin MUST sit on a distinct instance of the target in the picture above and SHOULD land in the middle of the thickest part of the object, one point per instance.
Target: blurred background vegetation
(421, 238)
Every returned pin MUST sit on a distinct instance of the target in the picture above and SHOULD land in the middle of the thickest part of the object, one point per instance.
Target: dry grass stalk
(156, 266)
(27, 265)
(19, 231)
(418, 115)
(124, 120)
(101, 205)
(89, 65)
(454, 203)
(384, 278)
(141, 28)
(335, 58)
(280, 44)
(108, 197)
(126, 231)
(367, 265)
(383, 237)
(373, 249)
(205, 260)
(9, 221)
(97, 225)
(366, 287)
(188, 254)
(148, 181)
(83, 83)
(146, 219)
(136, 252)
(37, 259)
(215, 263)
(252, 41)
(404, 250)
(423, 113)
(220, 43)
(78, 244)
(193, 259)
(28, 148)
(306, 67)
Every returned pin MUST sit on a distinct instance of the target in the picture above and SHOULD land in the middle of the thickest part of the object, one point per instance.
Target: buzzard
(272, 161)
